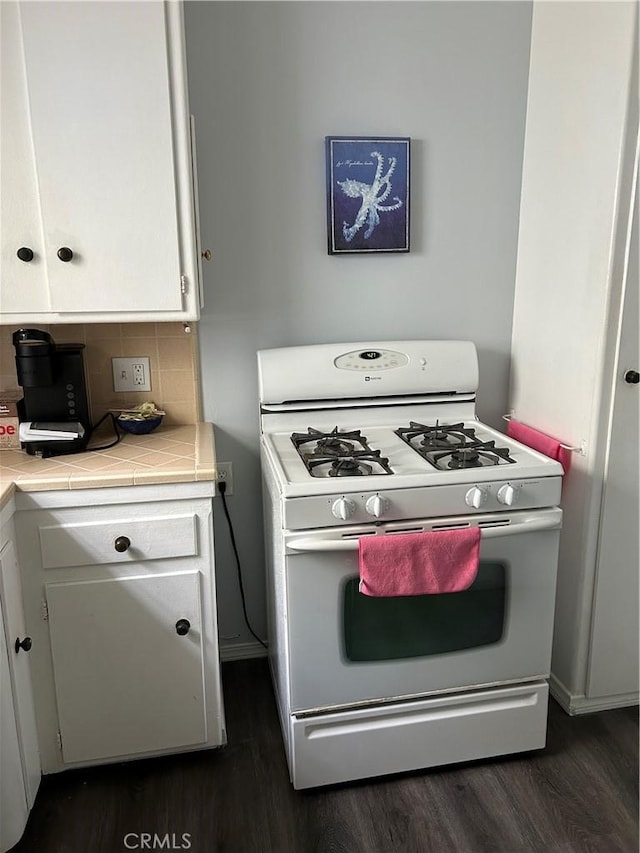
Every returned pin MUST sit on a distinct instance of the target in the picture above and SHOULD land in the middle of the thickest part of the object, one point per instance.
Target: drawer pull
(182, 627)
(22, 644)
(122, 544)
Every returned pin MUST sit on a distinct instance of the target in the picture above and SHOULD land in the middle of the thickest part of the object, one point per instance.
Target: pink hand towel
(540, 441)
(418, 563)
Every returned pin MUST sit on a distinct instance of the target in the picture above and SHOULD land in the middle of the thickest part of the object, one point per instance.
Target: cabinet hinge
(59, 740)
(45, 610)
(183, 284)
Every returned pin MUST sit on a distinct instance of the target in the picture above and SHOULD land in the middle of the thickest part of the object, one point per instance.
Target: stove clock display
(371, 359)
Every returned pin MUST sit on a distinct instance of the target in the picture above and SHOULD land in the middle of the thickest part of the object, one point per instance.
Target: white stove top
(410, 469)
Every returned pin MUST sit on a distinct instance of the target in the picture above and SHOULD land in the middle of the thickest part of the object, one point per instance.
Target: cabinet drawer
(80, 544)
(357, 744)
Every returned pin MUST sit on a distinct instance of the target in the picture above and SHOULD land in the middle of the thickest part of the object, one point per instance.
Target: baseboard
(560, 693)
(576, 704)
(242, 651)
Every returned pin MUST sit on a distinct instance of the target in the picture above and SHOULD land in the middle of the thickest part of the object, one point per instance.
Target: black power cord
(222, 488)
(116, 431)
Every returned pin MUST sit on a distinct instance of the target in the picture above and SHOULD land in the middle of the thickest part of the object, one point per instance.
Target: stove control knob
(475, 497)
(343, 509)
(376, 505)
(507, 494)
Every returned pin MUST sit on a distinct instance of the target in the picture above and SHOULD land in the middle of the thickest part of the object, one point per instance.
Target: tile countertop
(170, 454)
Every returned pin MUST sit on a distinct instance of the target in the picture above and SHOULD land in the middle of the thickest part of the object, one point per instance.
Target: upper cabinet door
(23, 282)
(107, 111)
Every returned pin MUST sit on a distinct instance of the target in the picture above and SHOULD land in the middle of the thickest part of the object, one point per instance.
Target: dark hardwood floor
(579, 795)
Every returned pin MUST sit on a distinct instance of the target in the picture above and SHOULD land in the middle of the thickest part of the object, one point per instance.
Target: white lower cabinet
(129, 677)
(14, 810)
(120, 596)
(19, 759)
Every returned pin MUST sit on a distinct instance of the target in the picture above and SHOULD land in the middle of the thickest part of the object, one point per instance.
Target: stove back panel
(367, 370)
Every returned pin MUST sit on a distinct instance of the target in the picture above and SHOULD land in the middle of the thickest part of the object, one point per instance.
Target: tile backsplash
(173, 355)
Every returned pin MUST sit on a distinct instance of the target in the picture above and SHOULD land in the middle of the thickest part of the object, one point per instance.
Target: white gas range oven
(372, 439)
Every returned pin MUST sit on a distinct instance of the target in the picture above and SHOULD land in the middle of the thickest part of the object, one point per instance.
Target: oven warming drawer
(413, 735)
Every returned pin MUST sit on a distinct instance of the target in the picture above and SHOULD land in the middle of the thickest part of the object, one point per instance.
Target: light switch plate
(131, 374)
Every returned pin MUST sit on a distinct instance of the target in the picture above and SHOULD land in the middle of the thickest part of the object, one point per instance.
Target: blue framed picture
(367, 194)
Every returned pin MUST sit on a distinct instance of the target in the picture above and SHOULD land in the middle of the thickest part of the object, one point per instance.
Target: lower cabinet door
(14, 810)
(128, 664)
(19, 669)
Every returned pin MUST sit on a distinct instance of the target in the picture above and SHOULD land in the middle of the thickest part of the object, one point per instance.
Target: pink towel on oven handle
(539, 441)
(428, 563)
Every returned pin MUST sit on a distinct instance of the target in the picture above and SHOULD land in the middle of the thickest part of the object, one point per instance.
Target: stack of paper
(50, 430)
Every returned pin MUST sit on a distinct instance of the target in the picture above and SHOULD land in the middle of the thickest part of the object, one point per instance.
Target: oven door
(346, 648)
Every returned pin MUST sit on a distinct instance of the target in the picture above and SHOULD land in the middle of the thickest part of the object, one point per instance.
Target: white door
(128, 664)
(20, 669)
(100, 112)
(345, 647)
(13, 798)
(613, 663)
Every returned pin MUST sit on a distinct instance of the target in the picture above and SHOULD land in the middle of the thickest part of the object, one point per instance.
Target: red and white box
(9, 423)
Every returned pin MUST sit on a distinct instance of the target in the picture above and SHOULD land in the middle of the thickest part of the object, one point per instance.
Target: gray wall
(268, 81)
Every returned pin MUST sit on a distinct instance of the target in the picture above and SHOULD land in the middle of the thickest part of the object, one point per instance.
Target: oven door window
(377, 629)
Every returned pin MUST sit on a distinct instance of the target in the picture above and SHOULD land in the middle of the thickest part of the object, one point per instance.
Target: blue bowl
(141, 427)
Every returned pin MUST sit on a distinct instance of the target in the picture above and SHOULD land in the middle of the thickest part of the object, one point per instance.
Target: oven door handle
(312, 543)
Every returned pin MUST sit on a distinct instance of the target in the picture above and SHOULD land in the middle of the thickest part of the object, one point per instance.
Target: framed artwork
(367, 194)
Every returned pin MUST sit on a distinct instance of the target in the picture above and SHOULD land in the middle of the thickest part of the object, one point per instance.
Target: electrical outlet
(131, 374)
(224, 474)
(139, 377)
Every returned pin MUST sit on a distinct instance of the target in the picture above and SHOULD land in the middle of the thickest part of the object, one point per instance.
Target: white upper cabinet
(97, 189)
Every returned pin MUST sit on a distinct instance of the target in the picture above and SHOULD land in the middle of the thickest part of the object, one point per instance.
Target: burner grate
(452, 446)
(440, 435)
(479, 454)
(339, 453)
(337, 441)
(350, 465)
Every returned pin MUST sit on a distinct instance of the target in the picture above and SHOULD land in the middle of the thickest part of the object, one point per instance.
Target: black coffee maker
(55, 390)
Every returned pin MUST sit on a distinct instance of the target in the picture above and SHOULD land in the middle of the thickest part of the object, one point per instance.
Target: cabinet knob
(207, 254)
(65, 254)
(122, 544)
(182, 627)
(632, 377)
(25, 254)
(22, 644)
